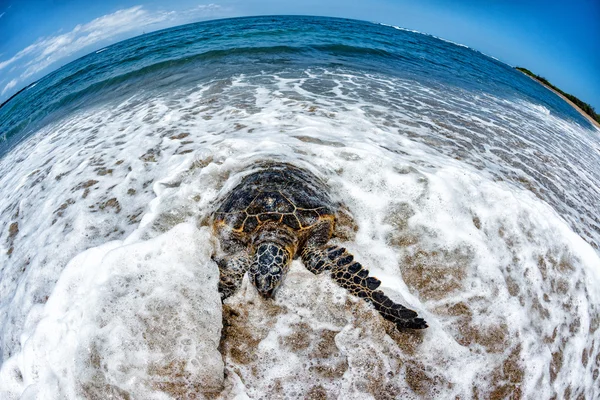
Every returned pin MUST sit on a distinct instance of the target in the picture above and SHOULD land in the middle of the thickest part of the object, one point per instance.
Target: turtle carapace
(280, 212)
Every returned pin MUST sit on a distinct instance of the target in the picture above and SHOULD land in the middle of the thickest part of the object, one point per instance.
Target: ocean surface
(470, 190)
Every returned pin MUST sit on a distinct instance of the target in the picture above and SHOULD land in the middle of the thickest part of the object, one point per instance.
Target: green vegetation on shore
(585, 107)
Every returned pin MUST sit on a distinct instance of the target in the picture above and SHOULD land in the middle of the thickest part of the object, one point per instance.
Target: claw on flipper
(353, 277)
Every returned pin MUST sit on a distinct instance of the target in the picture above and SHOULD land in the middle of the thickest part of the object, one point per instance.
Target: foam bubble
(463, 205)
(139, 319)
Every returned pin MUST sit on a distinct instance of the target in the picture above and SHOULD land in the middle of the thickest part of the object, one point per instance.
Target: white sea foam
(426, 34)
(404, 29)
(451, 42)
(143, 318)
(109, 273)
(536, 108)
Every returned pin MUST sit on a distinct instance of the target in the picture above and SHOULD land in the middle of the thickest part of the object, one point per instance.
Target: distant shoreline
(14, 95)
(575, 106)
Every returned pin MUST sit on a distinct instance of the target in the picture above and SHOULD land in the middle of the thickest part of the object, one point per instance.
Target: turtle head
(270, 263)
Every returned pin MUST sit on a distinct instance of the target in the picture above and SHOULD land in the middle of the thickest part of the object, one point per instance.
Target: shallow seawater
(471, 192)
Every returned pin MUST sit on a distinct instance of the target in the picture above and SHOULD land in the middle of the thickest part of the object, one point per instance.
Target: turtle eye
(253, 268)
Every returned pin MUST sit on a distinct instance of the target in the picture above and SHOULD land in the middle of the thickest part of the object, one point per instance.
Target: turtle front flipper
(231, 273)
(352, 276)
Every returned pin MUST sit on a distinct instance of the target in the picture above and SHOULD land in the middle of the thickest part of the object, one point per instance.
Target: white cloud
(1, 15)
(207, 7)
(48, 50)
(9, 86)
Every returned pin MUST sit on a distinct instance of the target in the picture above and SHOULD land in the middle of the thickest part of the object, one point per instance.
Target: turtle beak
(264, 285)
(268, 294)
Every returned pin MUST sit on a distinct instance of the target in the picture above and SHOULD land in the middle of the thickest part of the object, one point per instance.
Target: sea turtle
(279, 212)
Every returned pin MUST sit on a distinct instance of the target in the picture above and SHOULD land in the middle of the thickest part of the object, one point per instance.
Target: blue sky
(559, 40)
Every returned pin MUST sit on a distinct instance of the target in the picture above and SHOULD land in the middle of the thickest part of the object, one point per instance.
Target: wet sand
(592, 120)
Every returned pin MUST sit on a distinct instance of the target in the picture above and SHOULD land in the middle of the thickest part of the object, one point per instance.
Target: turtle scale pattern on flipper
(231, 273)
(351, 275)
(287, 209)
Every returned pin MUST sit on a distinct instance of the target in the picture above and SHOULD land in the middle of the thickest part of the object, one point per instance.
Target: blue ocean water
(190, 54)
(468, 188)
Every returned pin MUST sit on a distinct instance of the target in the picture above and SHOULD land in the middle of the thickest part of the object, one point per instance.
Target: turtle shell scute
(280, 193)
(266, 217)
(234, 220)
(307, 217)
(291, 221)
(251, 224)
(237, 201)
(270, 202)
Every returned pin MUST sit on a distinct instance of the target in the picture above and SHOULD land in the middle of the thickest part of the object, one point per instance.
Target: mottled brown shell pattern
(283, 194)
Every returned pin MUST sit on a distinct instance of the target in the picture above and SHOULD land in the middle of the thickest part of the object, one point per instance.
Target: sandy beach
(593, 121)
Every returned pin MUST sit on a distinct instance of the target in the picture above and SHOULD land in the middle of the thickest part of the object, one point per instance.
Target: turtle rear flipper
(352, 276)
(231, 273)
